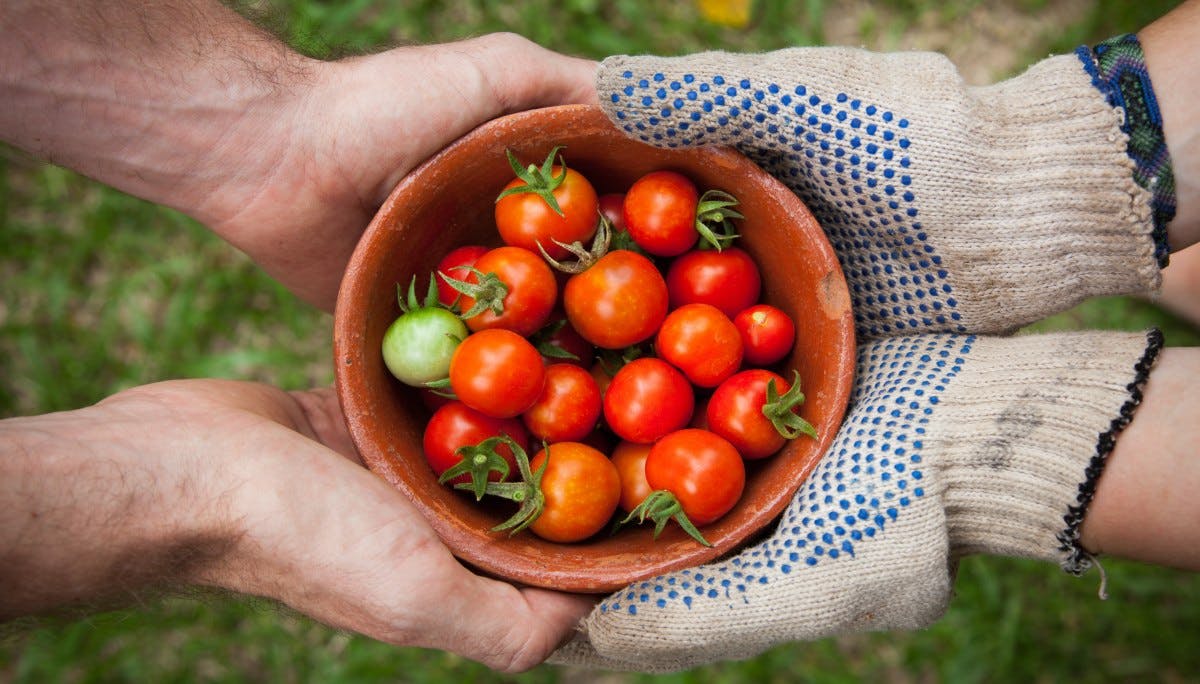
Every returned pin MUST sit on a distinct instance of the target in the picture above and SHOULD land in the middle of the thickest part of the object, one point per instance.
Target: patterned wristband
(1118, 69)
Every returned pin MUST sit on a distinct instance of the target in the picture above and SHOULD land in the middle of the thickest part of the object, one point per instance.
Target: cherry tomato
(618, 301)
(526, 220)
(612, 207)
(532, 291)
(630, 460)
(582, 489)
(568, 407)
(457, 425)
(702, 470)
(728, 280)
(419, 345)
(702, 342)
(497, 372)
(647, 399)
(767, 334)
(660, 213)
(455, 264)
(735, 412)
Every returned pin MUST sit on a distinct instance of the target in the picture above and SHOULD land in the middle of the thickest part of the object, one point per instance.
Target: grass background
(102, 292)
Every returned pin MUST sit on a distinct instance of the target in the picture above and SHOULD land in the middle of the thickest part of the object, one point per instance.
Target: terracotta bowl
(448, 202)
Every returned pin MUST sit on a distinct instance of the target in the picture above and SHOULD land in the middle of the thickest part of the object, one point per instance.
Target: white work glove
(953, 209)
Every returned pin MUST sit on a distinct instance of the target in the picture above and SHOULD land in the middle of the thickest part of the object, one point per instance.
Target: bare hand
(246, 487)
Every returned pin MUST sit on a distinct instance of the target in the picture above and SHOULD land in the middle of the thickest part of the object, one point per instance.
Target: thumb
(508, 73)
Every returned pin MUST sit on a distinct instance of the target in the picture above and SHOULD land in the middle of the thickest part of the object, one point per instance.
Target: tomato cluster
(642, 372)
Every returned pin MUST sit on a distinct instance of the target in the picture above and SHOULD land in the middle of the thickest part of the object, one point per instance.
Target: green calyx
(527, 492)
(542, 341)
(714, 219)
(479, 462)
(662, 506)
(488, 292)
(409, 302)
(613, 360)
(780, 410)
(584, 257)
(539, 181)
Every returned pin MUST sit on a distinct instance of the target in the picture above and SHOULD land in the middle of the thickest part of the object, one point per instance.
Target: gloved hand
(952, 208)
(955, 444)
(955, 210)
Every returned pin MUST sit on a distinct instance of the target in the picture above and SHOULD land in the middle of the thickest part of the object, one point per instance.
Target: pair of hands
(239, 485)
(334, 541)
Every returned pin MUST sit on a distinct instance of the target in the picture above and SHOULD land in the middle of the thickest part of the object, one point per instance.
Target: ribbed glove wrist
(952, 208)
(1022, 437)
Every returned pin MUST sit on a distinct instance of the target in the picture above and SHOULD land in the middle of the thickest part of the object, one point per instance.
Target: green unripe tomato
(418, 345)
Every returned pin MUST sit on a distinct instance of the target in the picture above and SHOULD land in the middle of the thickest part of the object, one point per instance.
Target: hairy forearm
(1146, 506)
(90, 520)
(1172, 48)
(154, 97)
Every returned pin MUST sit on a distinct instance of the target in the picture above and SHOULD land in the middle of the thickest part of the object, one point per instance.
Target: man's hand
(244, 487)
(185, 103)
(364, 124)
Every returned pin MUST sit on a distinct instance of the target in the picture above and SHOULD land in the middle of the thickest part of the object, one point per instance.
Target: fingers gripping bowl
(448, 202)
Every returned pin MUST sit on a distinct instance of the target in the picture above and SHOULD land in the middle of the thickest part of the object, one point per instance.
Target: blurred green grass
(102, 292)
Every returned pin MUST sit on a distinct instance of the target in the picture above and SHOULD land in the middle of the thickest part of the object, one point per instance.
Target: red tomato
(767, 334)
(455, 265)
(728, 280)
(702, 342)
(568, 407)
(526, 220)
(646, 399)
(630, 460)
(660, 213)
(497, 372)
(457, 425)
(702, 470)
(532, 291)
(618, 301)
(582, 489)
(612, 207)
(735, 412)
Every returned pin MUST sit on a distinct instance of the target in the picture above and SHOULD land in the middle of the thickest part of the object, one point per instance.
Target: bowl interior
(448, 202)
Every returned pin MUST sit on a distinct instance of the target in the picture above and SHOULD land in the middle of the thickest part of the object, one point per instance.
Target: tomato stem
(539, 181)
(411, 303)
(527, 492)
(714, 216)
(542, 341)
(488, 292)
(781, 410)
(478, 461)
(662, 506)
(584, 257)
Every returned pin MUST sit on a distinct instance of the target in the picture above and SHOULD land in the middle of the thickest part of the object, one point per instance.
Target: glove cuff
(1024, 435)
(1118, 70)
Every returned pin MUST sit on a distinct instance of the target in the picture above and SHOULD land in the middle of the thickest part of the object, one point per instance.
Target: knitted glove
(952, 208)
(954, 445)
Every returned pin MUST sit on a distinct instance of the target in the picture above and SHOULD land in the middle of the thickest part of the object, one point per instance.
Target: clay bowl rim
(600, 565)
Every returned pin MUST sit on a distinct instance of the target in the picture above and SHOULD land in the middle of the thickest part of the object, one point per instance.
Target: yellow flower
(734, 13)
